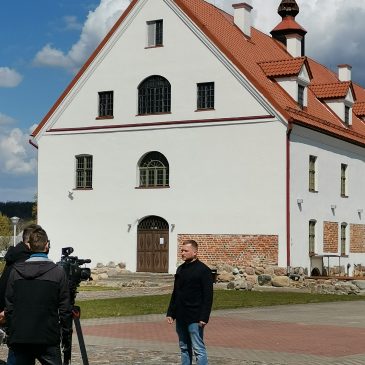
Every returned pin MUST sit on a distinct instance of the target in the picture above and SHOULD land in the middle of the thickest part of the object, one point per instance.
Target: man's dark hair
(38, 240)
(193, 243)
(28, 230)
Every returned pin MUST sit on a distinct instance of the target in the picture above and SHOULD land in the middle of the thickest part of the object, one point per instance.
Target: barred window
(347, 114)
(343, 180)
(106, 104)
(343, 238)
(155, 33)
(205, 97)
(301, 96)
(312, 173)
(84, 171)
(312, 236)
(154, 170)
(154, 96)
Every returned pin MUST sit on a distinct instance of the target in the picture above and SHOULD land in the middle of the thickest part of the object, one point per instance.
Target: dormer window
(155, 33)
(301, 90)
(347, 115)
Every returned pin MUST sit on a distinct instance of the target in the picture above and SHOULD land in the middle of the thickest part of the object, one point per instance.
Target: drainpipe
(289, 130)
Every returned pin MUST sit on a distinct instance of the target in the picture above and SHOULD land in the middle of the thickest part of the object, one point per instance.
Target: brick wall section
(234, 249)
(330, 237)
(357, 238)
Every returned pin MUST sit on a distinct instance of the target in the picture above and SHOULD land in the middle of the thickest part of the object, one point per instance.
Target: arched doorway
(153, 245)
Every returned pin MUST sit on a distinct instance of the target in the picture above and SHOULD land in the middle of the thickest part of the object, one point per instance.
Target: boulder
(359, 283)
(250, 270)
(264, 279)
(225, 276)
(280, 281)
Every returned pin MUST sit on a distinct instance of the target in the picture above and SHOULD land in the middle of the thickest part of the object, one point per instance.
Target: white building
(187, 122)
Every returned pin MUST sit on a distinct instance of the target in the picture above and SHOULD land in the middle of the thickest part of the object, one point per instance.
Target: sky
(45, 42)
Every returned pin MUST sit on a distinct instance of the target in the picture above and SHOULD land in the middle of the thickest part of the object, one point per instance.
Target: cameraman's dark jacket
(19, 253)
(37, 303)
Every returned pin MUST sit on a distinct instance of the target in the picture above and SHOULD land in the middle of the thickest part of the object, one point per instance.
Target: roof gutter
(288, 133)
(33, 144)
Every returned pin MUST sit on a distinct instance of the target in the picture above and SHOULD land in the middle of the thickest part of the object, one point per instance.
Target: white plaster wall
(227, 179)
(125, 62)
(331, 153)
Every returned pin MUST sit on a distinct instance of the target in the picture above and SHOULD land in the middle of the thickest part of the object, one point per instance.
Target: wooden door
(153, 245)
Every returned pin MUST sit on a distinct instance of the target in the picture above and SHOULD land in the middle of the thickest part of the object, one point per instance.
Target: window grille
(343, 238)
(312, 173)
(154, 170)
(106, 104)
(84, 170)
(155, 33)
(343, 180)
(154, 96)
(205, 97)
(153, 222)
(312, 236)
(347, 114)
(301, 89)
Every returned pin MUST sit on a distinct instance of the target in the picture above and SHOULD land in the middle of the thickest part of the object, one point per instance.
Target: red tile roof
(289, 23)
(359, 109)
(280, 68)
(258, 57)
(336, 90)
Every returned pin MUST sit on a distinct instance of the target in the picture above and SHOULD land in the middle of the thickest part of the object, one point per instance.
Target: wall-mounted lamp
(71, 194)
(300, 202)
(172, 227)
(333, 207)
(359, 212)
(129, 227)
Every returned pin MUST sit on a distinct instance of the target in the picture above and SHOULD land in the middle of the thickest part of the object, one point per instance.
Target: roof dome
(288, 8)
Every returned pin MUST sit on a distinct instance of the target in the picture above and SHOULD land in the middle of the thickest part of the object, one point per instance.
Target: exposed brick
(234, 249)
(330, 237)
(357, 238)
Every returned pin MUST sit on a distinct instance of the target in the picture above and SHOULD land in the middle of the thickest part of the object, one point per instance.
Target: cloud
(9, 77)
(97, 24)
(71, 23)
(17, 156)
(5, 120)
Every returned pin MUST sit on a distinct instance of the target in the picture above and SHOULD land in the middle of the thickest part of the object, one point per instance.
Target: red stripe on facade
(159, 124)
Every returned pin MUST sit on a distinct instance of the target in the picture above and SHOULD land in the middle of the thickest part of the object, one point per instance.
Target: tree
(5, 232)
(35, 208)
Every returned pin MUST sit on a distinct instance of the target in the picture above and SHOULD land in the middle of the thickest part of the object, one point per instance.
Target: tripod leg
(80, 337)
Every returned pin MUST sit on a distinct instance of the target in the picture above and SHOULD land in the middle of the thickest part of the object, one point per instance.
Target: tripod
(76, 314)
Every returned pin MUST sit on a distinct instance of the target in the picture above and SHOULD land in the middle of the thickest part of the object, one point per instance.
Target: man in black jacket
(18, 253)
(191, 304)
(37, 306)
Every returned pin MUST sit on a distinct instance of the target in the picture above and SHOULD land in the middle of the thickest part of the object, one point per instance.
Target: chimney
(344, 72)
(294, 45)
(242, 17)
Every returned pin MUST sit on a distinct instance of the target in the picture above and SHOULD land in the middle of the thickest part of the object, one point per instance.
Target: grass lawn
(223, 299)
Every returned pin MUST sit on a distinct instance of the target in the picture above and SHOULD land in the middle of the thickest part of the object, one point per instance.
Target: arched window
(154, 96)
(154, 170)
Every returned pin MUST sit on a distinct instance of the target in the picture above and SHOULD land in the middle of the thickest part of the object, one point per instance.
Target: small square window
(106, 104)
(205, 97)
(155, 33)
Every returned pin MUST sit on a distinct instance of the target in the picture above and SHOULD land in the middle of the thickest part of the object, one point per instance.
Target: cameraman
(37, 306)
(18, 253)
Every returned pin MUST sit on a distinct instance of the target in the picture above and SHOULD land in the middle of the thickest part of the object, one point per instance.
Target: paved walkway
(312, 334)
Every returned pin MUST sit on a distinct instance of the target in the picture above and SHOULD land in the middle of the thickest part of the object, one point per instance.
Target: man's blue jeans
(191, 342)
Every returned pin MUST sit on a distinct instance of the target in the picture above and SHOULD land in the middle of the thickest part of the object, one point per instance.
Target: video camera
(75, 273)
